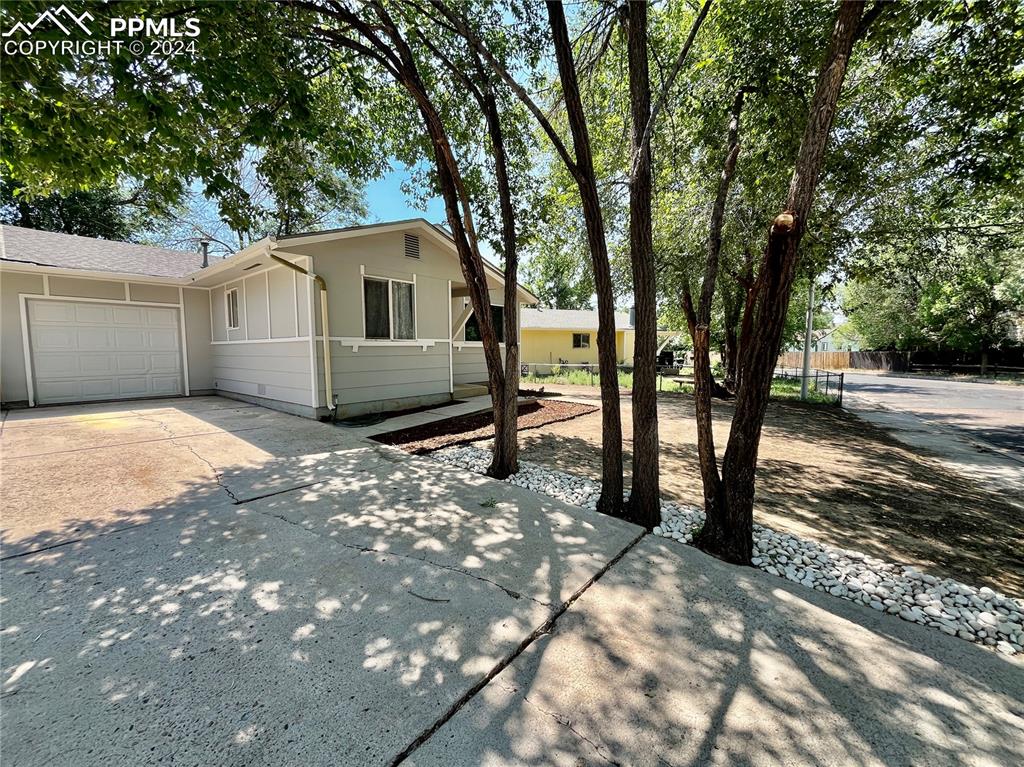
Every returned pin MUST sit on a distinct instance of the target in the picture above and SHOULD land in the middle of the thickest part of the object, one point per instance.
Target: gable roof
(52, 250)
(568, 319)
(87, 254)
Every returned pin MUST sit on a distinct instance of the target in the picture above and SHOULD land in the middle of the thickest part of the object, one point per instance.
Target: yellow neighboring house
(569, 337)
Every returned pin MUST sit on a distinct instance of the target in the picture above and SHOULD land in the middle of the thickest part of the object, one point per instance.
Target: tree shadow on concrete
(336, 621)
(675, 658)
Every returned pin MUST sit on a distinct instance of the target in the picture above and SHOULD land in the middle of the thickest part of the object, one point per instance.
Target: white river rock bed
(975, 614)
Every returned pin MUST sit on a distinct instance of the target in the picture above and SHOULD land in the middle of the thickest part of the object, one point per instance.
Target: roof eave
(62, 271)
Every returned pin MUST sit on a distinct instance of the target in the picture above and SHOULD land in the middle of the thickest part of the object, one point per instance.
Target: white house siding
(197, 336)
(376, 377)
(13, 284)
(468, 365)
(266, 359)
(373, 375)
(271, 371)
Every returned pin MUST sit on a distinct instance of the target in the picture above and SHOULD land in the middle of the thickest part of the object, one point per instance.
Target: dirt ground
(825, 474)
(469, 428)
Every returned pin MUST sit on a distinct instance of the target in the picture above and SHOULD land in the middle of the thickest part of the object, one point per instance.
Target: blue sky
(387, 202)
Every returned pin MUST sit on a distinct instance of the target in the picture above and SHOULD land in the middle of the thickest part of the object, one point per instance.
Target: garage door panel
(129, 315)
(90, 350)
(133, 387)
(94, 339)
(158, 317)
(163, 340)
(57, 365)
(128, 340)
(96, 364)
(164, 384)
(97, 314)
(164, 363)
(97, 388)
(47, 311)
(54, 339)
(56, 391)
(133, 364)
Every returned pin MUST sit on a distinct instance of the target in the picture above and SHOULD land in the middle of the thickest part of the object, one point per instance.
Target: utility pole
(807, 341)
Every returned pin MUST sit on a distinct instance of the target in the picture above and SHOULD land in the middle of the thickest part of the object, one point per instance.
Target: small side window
(581, 340)
(232, 308)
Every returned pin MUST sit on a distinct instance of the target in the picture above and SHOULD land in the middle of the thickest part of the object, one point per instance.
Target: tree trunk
(730, 350)
(400, 62)
(728, 531)
(644, 501)
(610, 501)
(703, 381)
(505, 460)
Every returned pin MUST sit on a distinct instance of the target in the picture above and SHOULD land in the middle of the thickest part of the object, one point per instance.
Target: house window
(581, 340)
(232, 309)
(497, 318)
(389, 309)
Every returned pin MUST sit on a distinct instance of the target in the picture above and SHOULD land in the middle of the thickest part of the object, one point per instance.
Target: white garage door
(95, 351)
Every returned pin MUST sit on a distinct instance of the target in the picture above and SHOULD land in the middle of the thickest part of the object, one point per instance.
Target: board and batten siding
(268, 355)
(371, 374)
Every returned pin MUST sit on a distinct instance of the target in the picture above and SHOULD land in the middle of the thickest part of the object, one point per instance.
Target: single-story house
(83, 319)
(569, 337)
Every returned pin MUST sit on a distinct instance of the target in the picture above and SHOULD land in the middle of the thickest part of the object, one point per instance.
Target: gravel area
(471, 428)
(979, 615)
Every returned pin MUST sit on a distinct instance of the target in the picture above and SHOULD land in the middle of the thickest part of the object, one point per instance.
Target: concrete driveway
(205, 582)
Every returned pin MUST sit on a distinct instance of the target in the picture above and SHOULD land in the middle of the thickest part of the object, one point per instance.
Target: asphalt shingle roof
(568, 319)
(69, 251)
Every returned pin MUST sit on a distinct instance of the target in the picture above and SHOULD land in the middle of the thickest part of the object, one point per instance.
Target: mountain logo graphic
(61, 17)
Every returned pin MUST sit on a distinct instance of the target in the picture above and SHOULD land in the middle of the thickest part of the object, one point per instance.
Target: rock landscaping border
(978, 615)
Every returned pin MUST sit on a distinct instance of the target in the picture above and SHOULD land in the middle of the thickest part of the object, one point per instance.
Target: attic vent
(412, 245)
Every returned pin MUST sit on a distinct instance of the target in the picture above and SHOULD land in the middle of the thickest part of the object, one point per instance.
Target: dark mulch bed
(470, 428)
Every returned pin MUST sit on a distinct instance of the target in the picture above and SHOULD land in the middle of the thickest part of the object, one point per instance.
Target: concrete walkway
(207, 582)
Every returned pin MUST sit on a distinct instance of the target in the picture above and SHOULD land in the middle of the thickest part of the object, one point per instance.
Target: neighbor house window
(497, 318)
(232, 306)
(581, 340)
(389, 309)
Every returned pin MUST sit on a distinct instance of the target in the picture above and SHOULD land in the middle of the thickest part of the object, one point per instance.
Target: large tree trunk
(728, 531)
(610, 501)
(700, 322)
(505, 460)
(644, 501)
(398, 60)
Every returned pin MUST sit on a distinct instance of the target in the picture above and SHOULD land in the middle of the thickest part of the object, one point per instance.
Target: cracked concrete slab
(386, 501)
(339, 621)
(233, 638)
(676, 658)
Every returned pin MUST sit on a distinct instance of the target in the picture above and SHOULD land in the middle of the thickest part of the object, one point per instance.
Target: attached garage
(82, 351)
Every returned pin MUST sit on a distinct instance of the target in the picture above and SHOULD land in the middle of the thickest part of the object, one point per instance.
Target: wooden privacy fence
(820, 360)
